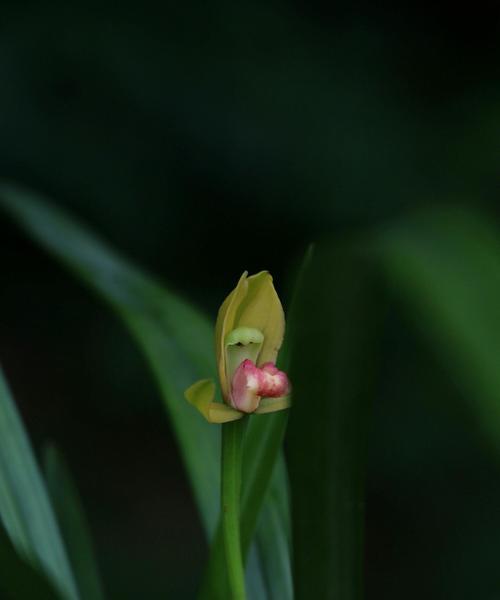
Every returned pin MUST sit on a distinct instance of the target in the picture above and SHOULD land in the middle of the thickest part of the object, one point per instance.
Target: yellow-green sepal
(253, 305)
(269, 405)
(261, 309)
(225, 323)
(201, 395)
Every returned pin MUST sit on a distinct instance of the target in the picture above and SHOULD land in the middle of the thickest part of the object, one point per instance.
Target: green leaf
(444, 265)
(273, 536)
(19, 580)
(73, 524)
(176, 339)
(327, 433)
(25, 507)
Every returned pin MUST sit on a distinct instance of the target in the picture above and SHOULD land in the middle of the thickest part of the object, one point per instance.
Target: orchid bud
(248, 335)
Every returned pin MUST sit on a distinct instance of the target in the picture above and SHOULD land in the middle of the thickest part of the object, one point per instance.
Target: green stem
(231, 460)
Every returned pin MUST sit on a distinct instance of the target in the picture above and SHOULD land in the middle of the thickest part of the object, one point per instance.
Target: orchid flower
(248, 335)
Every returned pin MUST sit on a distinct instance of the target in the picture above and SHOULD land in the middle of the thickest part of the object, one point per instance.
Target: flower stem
(231, 459)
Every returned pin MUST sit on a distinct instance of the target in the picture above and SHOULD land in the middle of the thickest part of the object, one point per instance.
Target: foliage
(439, 268)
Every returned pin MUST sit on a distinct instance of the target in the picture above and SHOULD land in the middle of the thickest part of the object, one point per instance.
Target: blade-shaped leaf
(25, 507)
(445, 266)
(177, 340)
(273, 537)
(330, 368)
(72, 522)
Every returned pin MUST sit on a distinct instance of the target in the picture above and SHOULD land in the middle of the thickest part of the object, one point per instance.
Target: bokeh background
(204, 139)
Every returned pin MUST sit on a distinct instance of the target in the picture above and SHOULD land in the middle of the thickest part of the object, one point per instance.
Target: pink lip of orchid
(250, 383)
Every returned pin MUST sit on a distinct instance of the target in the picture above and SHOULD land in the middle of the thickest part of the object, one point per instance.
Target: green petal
(269, 405)
(225, 324)
(201, 395)
(261, 309)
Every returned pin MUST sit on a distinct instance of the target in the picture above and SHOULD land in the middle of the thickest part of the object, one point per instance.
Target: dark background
(204, 139)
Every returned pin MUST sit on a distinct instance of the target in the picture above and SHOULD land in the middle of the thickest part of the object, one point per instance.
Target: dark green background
(204, 139)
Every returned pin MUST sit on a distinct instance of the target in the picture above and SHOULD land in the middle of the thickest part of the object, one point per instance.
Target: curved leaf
(25, 507)
(444, 265)
(327, 434)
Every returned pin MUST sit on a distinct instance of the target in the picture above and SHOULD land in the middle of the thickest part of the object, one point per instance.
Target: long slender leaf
(72, 522)
(274, 533)
(445, 267)
(25, 507)
(176, 339)
(327, 433)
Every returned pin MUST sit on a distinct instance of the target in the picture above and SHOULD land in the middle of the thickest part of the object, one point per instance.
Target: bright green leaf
(25, 507)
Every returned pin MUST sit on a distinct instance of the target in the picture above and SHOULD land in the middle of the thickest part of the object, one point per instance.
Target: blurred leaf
(25, 507)
(262, 462)
(19, 580)
(73, 524)
(273, 538)
(327, 434)
(177, 340)
(445, 266)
